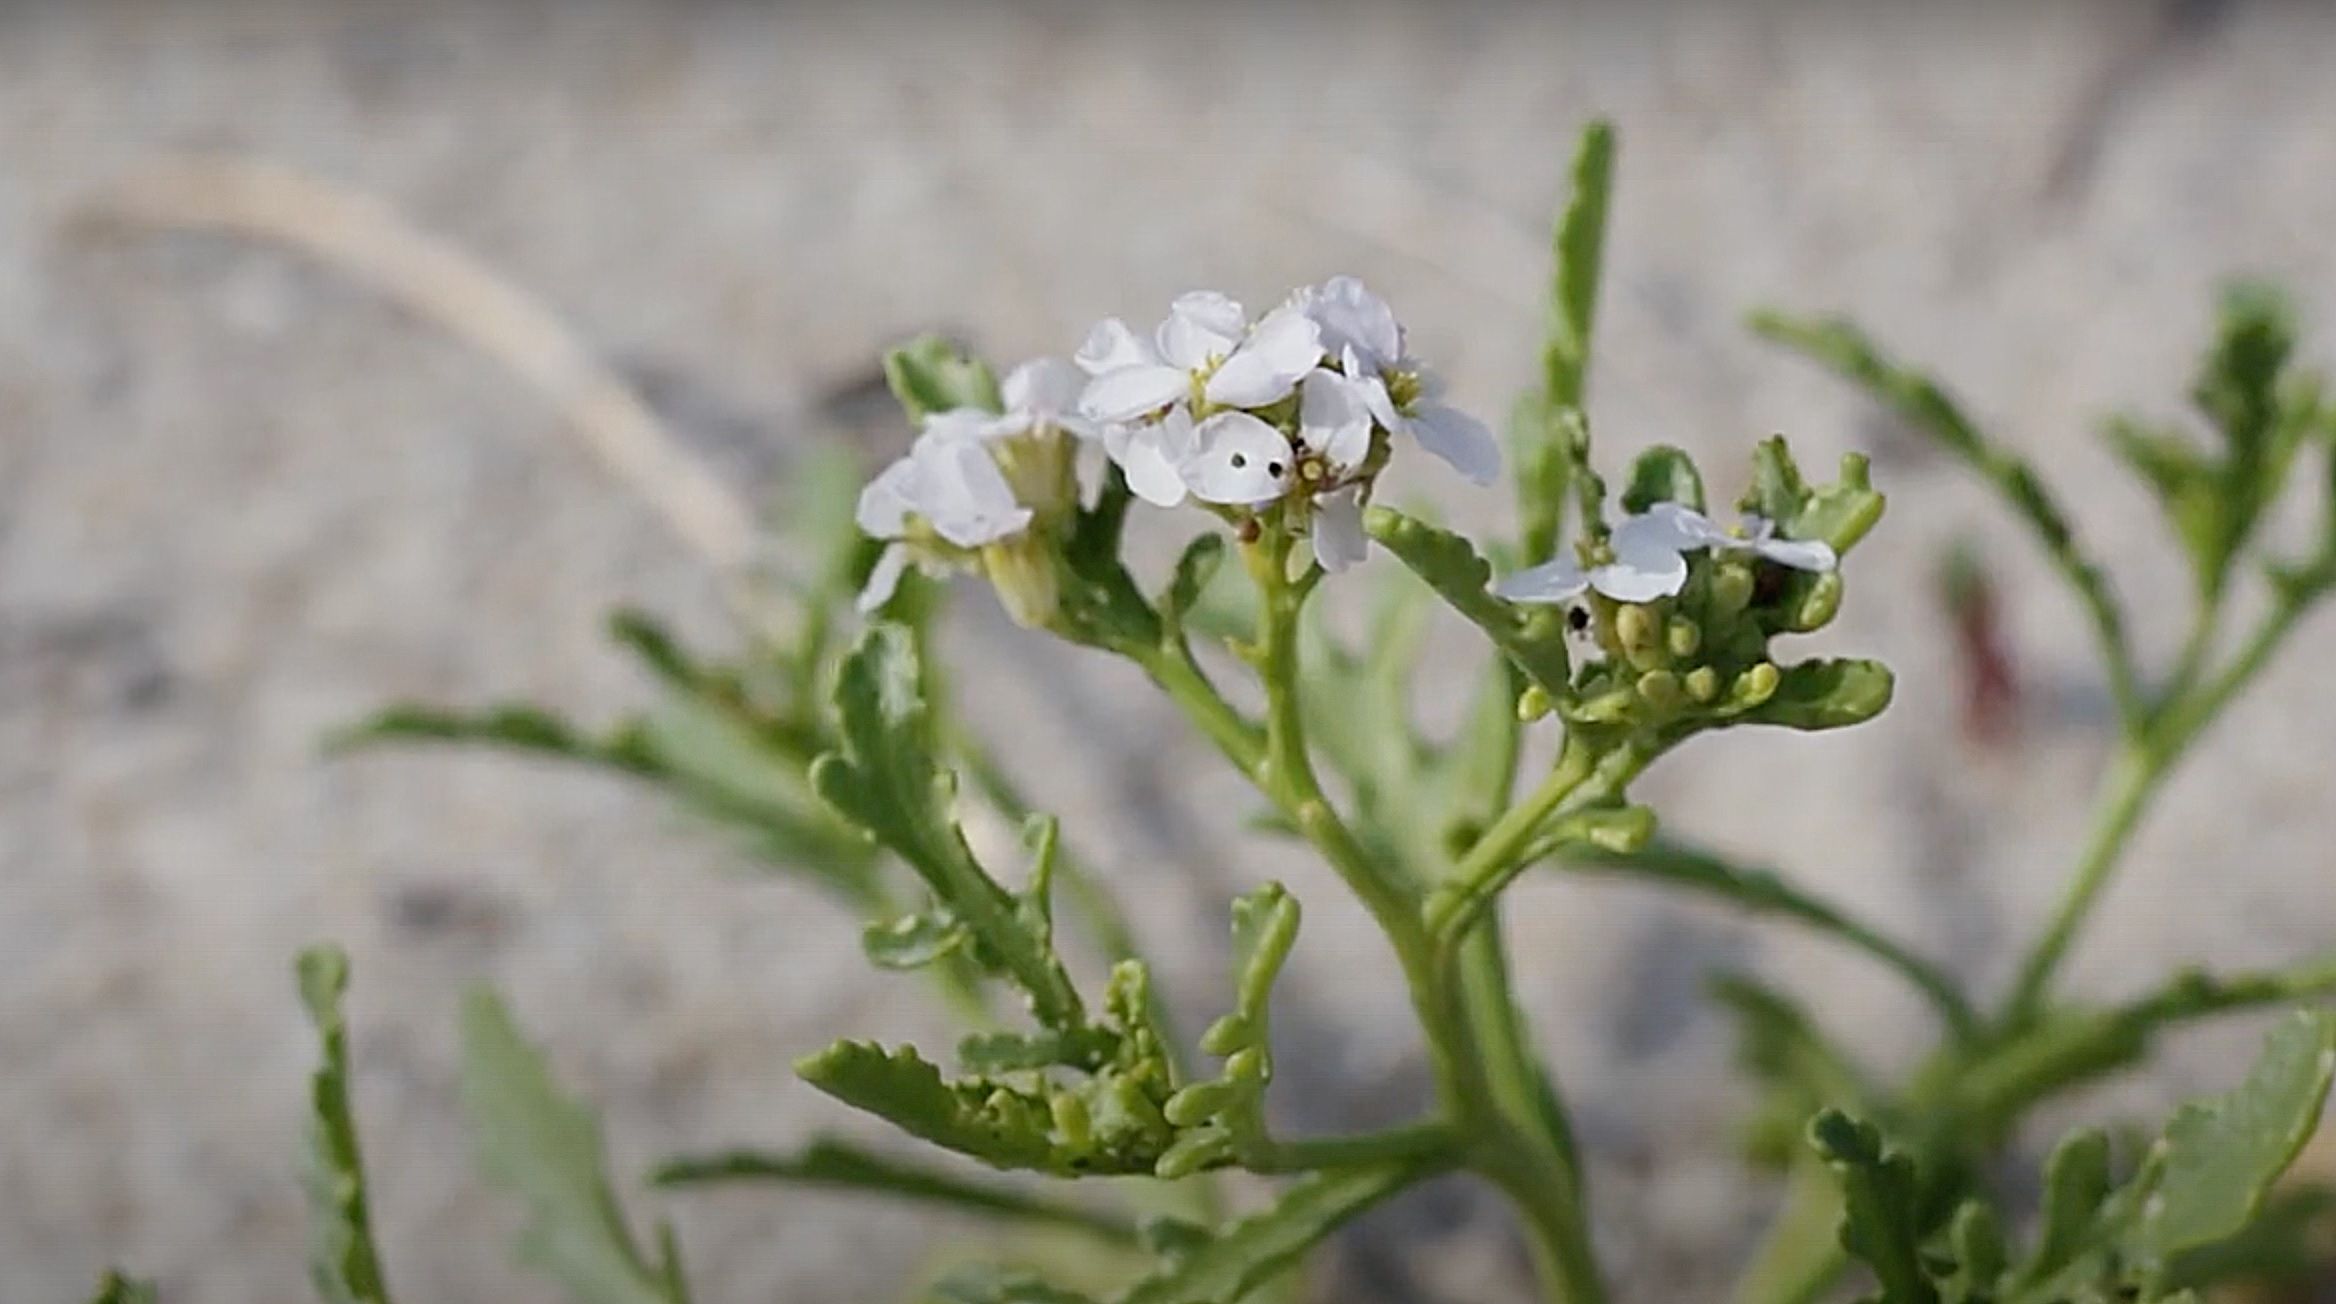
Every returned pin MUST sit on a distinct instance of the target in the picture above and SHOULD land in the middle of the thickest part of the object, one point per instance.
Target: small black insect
(1577, 619)
(1768, 583)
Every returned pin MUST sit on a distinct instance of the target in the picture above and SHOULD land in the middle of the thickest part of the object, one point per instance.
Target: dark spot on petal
(1239, 461)
(1274, 469)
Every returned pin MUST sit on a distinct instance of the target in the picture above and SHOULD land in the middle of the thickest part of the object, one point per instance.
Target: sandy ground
(242, 500)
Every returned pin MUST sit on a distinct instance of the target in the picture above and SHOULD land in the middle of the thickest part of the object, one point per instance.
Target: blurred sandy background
(242, 500)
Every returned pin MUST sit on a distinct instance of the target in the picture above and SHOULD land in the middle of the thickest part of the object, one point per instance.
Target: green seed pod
(1731, 589)
(1703, 683)
(1660, 690)
(1071, 1119)
(1756, 685)
(1533, 703)
(1682, 636)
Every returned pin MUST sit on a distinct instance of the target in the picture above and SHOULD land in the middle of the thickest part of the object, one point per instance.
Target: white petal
(965, 497)
(1460, 439)
(1647, 562)
(1554, 581)
(887, 500)
(1268, 365)
(883, 579)
(1110, 346)
(1151, 472)
(1131, 392)
(1800, 554)
(1374, 391)
(1687, 528)
(1043, 387)
(1355, 320)
(1339, 541)
(970, 424)
(1238, 459)
(1333, 420)
(1200, 325)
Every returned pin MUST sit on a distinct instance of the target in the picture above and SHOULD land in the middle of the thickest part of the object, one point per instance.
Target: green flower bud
(1533, 703)
(1731, 589)
(1703, 683)
(1682, 636)
(1192, 1152)
(1640, 635)
(1756, 685)
(1022, 569)
(1071, 1119)
(1198, 1103)
(1248, 1065)
(1818, 605)
(1226, 1035)
(1660, 690)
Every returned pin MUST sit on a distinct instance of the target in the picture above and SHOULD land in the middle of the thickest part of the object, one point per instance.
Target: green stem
(2131, 778)
(1801, 1256)
(1519, 1083)
(1426, 1140)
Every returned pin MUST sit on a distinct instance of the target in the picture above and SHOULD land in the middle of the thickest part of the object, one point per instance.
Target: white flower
(1650, 559)
(948, 481)
(1360, 331)
(1236, 458)
(1206, 341)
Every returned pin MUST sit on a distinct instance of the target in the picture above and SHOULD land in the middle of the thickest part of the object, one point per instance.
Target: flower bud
(1703, 683)
(1249, 1065)
(1731, 589)
(1225, 1034)
(1640, 635)
(1071, 1118)
(1756, 685)
(1660, 690)
(1533, 703)
(1818, 605)
(1198, 1103)
(1682, 636)
(1022, 569)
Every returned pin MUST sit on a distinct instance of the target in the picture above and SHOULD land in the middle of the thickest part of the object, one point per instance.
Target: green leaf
(1252, 1251)
(1978, 1253)
(343, 1264)
(545, 1148)
(975, 1284)
(1581, 247)
(929, 375)
(914, 941)
(114, 1288)
(1826, 695)
(1532, 639)
(2283, 1248)
(2219, 1156)
(518, 726)
(1663, 474)
(2076, 1184)
(885, 781)
(1882, 1206)
(1200, 562)
(839, 1165)
(1778, 1042)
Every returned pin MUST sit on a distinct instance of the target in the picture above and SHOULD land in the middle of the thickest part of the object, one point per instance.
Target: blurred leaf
(929, 375)
(2077, 1182)
(1663, 474)
(1533, 639)
(1245, 1255)
(976, 1284)
(885, 781)
(839, 1165)
(1550, 434)
(1200, 562)
(914, 941)
(518, 726)
(545, 1148)
(2287, 1245)
(343, 1264)
(1882, 1209)
(114, 1288)
(2220, 1155)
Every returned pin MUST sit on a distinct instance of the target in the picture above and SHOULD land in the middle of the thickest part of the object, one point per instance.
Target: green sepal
(930, 375)
(343, 1263)
(545, 1148)
(1662, 474)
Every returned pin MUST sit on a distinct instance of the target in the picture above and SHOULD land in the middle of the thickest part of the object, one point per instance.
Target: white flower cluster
(1202, 407)
(1210, 406)
(1650, 557)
